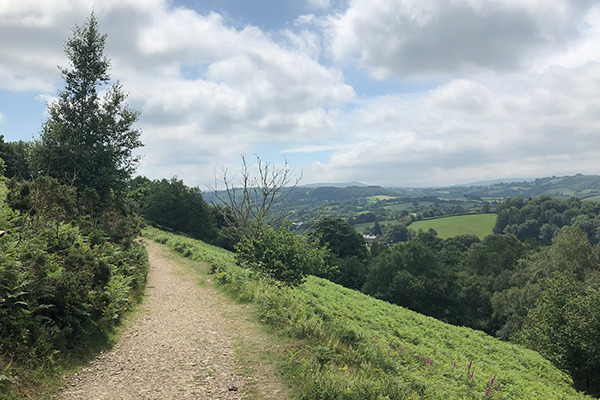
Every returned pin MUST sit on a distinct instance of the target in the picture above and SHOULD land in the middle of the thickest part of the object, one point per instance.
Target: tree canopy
(173, 205)
(14, 155)
(88, 139)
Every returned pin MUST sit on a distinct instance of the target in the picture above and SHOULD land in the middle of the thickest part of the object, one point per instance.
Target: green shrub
(61, 283)
(283, 256)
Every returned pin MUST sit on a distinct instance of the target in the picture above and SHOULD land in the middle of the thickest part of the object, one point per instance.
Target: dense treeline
(14, 155)
(541, 218)
(172, 205)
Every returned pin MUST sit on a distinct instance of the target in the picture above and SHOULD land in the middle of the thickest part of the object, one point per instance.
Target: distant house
(369, 239)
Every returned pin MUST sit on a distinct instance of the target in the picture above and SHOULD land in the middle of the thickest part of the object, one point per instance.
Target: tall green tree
(410, 275)
(174, 205)
(341, 237)
(348, 251)
(88, 139)
(14, 155)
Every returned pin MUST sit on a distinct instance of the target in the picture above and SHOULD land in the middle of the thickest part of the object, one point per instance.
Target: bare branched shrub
(250, 201)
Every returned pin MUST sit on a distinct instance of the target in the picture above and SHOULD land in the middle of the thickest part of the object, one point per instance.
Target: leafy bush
(282, 255)
(61, 282)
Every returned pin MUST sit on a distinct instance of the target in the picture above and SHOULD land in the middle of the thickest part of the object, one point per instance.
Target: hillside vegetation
(70, 265)
(352, 346)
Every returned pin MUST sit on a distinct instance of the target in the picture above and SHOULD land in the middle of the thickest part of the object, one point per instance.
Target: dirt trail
(180, 346)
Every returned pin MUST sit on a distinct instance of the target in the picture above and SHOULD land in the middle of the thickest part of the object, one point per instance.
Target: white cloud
(318, 4)
(580, 51)
(46, 98)
(207, 91)
(495, 126)
(520, 95)
(425, 38)
(311, 149)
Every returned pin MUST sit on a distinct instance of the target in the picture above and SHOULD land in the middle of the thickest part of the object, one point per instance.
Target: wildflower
(498, 387)
(454, 366)
(390, 345)
(487, 392)
(345, 368)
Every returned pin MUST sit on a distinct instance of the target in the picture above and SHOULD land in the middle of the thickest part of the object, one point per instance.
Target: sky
(384, 92)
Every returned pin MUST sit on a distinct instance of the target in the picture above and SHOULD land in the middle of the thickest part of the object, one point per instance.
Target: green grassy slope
(479, 225)
(423, 350)
(352, 346)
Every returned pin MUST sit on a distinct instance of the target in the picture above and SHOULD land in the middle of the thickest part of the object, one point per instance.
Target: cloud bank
(511, 87)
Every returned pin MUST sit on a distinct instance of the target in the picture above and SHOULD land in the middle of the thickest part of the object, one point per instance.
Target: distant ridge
(496, 181)
(337, 185)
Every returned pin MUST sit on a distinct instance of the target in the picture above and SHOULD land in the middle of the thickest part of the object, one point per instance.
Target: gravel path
(180, 346)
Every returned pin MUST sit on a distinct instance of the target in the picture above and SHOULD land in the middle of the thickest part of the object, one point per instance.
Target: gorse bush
(64, 276)
(352, 346)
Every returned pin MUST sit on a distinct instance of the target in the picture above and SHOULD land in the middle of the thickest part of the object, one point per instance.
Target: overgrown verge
(218, 258)
(66, 279)
(352, 346)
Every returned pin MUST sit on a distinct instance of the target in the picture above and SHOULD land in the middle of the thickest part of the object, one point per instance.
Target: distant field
(380, 197)
(565, 191)
(408, 206)
(479, 225)
(399, 207)
(553, 181)
(593, 198)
